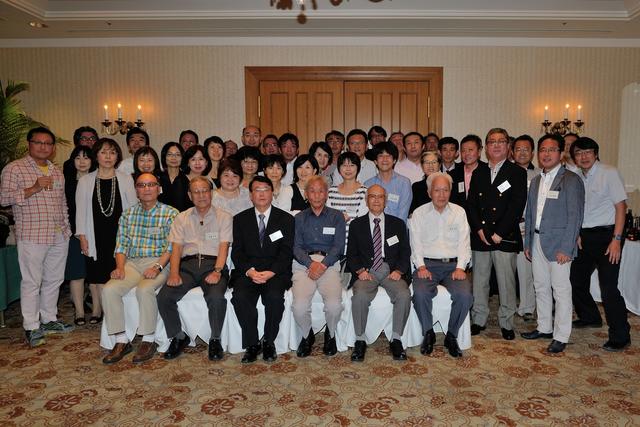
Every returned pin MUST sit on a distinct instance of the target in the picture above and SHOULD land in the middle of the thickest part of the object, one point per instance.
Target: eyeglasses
(586, 152)
(174, 155)
(42, 143)
(88, 138)
(200, 191)
(142, 185)
(500, 141)
(376, 196)
(261, 189)
(549, 150)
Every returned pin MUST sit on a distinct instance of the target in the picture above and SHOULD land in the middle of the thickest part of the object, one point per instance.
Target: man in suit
(553, 217)
(200, 238)
(318, 244)
(496, 200)
(470, 149)
(448, 149)
(441, 251)
(262, 253)
(378, 253)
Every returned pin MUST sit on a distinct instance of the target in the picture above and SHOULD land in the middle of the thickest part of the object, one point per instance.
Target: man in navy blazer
(555, 207)
(496, 200)
(262, 253)
(378, 254)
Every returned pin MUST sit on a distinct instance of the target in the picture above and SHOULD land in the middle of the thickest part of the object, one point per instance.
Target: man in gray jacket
(555, 207)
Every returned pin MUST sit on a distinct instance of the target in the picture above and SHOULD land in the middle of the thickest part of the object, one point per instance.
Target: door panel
(394, 105)
(309, 109)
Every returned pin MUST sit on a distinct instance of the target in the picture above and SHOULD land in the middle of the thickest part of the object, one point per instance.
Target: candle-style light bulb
(139, 113)
(566, 112)
(106, 112)
(119, 111)
(579, 112)
(546, 113)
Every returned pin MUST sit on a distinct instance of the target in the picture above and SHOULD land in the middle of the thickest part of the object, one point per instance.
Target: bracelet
(158, 266)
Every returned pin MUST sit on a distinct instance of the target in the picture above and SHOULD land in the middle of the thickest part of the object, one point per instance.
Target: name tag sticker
(553, 194)
(57, 185)
(392, 240)
(393, 198)
(504, 187)
(211, 236)
(277, 235)
(154, 231)
(329, 230)
(461, 187)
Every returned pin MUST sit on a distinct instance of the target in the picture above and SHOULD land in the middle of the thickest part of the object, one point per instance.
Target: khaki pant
(115, 289)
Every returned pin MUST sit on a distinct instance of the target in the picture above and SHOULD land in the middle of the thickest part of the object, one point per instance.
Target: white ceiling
(81, 19)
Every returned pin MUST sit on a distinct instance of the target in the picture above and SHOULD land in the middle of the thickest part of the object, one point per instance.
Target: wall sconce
(120, 125)
(564, 126)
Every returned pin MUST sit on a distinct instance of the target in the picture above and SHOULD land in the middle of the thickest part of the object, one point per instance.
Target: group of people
(387, 212)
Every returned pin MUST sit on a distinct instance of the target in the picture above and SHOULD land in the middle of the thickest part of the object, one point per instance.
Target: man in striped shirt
(142, 253)
(34, 187)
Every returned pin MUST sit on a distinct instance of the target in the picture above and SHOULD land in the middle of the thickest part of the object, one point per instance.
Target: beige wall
(202, 87)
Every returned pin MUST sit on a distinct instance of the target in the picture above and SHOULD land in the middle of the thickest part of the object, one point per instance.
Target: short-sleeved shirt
(145, 233)
(199, 235)
(399, 194)
(604, 188)
(43, 215)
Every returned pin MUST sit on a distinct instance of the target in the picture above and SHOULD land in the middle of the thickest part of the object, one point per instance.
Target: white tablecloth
(195, 322)
(628, 280)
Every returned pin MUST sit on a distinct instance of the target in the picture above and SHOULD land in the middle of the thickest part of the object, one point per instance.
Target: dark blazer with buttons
(275, 256)
(495, 211)
(360, 246)
(457, 175)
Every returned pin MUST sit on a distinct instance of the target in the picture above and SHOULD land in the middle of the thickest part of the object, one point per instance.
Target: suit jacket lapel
(558, 179)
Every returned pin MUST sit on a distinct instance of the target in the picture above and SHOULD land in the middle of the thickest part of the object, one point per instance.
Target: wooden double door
(310, 102)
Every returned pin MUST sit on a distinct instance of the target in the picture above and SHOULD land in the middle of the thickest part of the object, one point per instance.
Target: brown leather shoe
(119, 351)
(145, 351)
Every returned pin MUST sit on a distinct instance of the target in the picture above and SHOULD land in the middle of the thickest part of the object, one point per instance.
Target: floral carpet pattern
(497, 382)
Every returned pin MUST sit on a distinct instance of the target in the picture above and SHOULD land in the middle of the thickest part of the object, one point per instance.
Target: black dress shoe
(306, 345)
(508, 334)
(176, 347)
(581, 324)
(251, 354)
(476, 329)
(329, 348)
(556, 347)
(215, 350)
(534, 335)
(359, 349)
(451, 343)
(397, 351)
(269, 352)
(616, 346)
(427, 342)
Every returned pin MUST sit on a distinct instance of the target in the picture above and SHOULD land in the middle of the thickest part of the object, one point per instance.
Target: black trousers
(193, 275)
(591, 256)
(244, 300)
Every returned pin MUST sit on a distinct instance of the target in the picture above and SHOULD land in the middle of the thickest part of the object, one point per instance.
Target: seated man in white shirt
(441, 250)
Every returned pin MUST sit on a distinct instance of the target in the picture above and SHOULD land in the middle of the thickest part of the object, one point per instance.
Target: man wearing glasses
(200, 238)
(357, 143)
(600, 245)
(85, 135)
(34, 187)
(142, 253)
(496, 200)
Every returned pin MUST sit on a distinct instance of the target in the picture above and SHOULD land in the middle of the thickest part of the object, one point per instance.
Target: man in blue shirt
(318, 245)
(398, 187)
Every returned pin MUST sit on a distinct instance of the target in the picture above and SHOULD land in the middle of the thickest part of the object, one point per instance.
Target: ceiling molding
(322, 41)
(27, 7)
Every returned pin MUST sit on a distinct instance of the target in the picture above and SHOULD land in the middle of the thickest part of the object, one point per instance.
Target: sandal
(80, 321)
(94, 320)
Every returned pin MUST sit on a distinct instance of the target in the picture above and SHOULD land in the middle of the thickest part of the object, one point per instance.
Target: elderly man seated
(441, 250)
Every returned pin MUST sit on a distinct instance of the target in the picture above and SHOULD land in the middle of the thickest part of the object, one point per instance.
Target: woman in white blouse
(275, 168)
(231, 197)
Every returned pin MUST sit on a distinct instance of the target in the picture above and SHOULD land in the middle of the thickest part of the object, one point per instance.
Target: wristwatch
(617, 237)
(217, 270)
(158, 266)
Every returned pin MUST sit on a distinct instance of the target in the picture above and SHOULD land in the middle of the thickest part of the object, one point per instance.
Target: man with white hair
(441, 250)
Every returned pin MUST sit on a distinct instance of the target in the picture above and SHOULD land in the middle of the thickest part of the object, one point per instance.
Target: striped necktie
(261, 229)
(377, 245)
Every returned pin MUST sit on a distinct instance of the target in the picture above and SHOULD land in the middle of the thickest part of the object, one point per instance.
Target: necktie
(261, 228)
(377, 245)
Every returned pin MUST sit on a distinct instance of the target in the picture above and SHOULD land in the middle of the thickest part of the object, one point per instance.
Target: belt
(599, 229)
(537, 231)
(199, 257)
(323, 253)
(442, 259)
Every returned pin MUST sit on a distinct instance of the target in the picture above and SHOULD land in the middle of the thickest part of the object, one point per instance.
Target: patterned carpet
(64, 383)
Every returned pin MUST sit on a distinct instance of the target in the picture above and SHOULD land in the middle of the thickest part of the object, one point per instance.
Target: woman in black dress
(81, 162)
(430, 161)
(304, 167)
(174, 183)
(101, 198)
